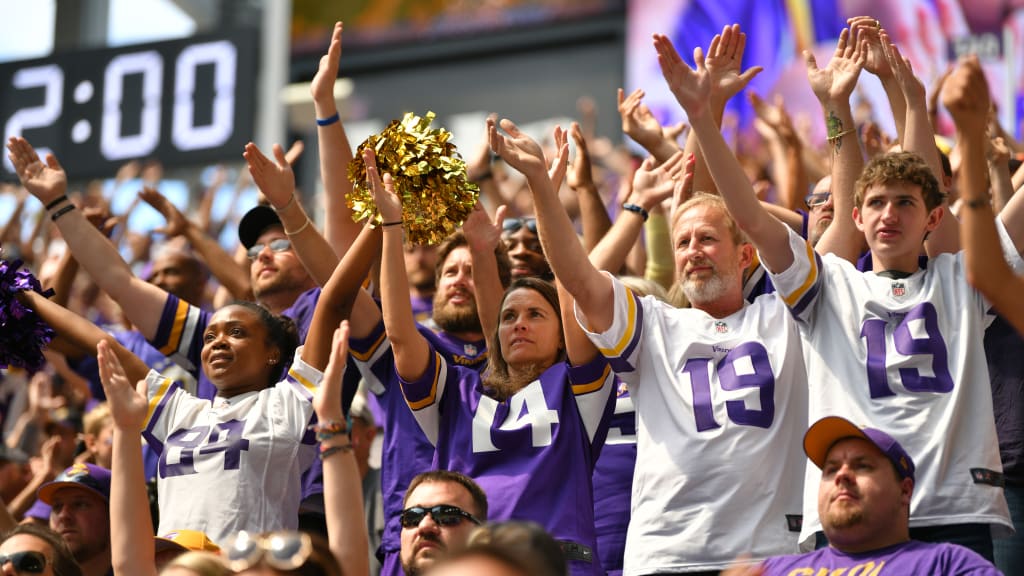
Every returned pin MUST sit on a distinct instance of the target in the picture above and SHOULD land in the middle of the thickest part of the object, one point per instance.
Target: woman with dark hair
(35, 549)
(530, 430)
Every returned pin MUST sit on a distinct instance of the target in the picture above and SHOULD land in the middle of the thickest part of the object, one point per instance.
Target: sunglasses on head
(443, 515)
(279, 245)
(514, 224)
(285, 550)
(817, 199)
(27, 562)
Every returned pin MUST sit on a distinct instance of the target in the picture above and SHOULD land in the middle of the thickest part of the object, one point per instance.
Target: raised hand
(683, 188)
(275, 179)
(322, 86)
(560, 163)
(327, 400)
(912, 87)
(724, 60)
(692, 88)
(836, 81)
(47, 182)
(654, 184)
(875, 60)
(966, 94)
(637, 120)
(388, 203)
(517, 149)
(482, 233)
(128, 405)
(177, 224)
(580, 176)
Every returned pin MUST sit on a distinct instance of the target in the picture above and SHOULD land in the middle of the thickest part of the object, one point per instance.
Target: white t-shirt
(232, 464)
(721, 409)
(904, 356)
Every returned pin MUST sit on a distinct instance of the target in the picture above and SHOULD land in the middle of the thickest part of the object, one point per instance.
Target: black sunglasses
(29, 561)
(279, 245)
(513, 224)
(443, 514)
(817, 199)
(284, 550)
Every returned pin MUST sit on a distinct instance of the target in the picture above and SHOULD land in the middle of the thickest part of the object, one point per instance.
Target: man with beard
(440, 511)
(867, 480)
(459, 338)
(80, 514)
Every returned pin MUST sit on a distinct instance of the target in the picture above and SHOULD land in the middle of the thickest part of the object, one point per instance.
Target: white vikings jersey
(721, 409)
(234, 463)
(904, 356)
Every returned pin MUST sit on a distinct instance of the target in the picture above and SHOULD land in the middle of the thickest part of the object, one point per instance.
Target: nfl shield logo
(721, 327)
(469, 349)
(899, 288)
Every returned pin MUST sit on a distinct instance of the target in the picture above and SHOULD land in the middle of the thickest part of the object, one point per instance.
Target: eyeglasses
(29, 561)
(443, 514)
(279, 245)
(285, 550)
(514, 224)
(817, 199)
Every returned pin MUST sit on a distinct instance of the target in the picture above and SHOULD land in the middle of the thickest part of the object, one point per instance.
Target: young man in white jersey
(709, 384)
(899, 348)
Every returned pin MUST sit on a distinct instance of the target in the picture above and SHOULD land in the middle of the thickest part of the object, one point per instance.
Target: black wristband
(395, 223)
(62, 212)
(54, 203)
(977, 203)
(630, 207)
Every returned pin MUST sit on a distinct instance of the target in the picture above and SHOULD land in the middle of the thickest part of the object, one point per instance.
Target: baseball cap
(824, 433)
(186, 540)
(255, 222)
(85, 476)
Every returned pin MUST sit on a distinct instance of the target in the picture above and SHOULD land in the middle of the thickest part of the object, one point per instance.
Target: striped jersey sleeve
(179, 336)
(424, 394)
(800, 285)
(620, 342)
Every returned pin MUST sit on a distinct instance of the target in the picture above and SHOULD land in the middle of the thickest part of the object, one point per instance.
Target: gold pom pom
(429, 176)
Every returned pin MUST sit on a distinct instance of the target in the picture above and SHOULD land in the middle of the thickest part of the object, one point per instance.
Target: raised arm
(966, 97)
(998, 156)
(343, 488)
(786, 151)
(277, 182)
(131, 528)
(593, 214)
(692, 88)
(335, 152)
(339, 295)
(591, 289)
(833, 86)
(640, 124)
(876, 62)
(229, 273)
(411, 349)
(142, 302)
(482, 237)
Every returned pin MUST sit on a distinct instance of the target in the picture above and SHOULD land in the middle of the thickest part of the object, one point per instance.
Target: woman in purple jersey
(530, 430)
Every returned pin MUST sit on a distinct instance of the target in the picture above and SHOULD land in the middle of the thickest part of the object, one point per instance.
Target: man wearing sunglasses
(524, 249)
(441, 509)
(34, 549)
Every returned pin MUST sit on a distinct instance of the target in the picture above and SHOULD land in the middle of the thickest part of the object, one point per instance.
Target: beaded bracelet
(329, 429)
(635, 209)
(327, 451)
(328, 121)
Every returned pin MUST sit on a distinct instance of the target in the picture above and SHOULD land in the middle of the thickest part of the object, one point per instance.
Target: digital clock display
(182, 102)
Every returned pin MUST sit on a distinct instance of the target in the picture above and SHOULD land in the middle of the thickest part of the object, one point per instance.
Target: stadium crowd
(748, 358)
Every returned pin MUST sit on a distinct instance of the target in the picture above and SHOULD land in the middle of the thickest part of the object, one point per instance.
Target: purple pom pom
(23, 334)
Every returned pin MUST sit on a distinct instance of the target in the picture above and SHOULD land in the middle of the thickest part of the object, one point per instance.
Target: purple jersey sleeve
(301, 311)
(179, 336)
(905, 559)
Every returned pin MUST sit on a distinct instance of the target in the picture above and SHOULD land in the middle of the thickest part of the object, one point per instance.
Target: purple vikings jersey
(613, 483)
(406, 451)
(907, 559)
(534, 453)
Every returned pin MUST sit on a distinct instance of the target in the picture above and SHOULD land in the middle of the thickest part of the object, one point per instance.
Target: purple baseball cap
(85, 476)
(824, 433)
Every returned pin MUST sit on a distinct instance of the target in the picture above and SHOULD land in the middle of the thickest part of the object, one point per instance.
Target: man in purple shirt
(867, 480)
